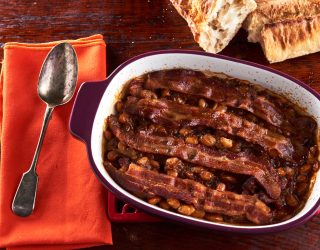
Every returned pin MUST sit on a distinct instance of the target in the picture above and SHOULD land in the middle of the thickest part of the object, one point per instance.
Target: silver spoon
(56, 86)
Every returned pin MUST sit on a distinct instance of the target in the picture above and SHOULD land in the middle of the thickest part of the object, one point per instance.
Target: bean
(221, 187)
(144, 161)
(189, 174)
(291, 200)
(192, 140)
(121, 146)
(221, 108)
(214, 217)
(119, 106)
(228, 178)
(133, 154)
(135, 90)
(129, 152)
(202, 103)
(290, 171)
(178, 100)
(185, 131)
(123, 169)
(163, 204)
(302, 178)
(174, 203)
(227, 143)
(206, 176)
(281, 172)
(161, 130)
(305, 169)
(107, 134)
(173, 173)
(155, 164)
(112, 155)
(154, 200)
(186, 209)
(215, 106)
(301, 188)
(196, 170)
(172, 163)
(124, 162)
(165, 92)
(148, 94)
(123, 118)
(198, 214)
(208, 140)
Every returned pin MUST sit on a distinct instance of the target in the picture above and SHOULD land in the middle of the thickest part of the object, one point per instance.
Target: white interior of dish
(262, 77)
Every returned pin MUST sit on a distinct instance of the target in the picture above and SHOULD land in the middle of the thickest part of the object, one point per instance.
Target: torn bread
(292, 38)
(214, 22)
(274, 11)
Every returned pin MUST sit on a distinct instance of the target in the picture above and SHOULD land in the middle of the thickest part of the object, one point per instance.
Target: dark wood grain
(131, 28)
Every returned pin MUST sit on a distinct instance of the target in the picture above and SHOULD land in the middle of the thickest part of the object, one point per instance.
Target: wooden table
(131, 28)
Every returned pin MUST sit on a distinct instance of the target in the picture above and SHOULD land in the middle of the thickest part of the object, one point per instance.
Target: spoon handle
(46, 119)
(24, 199)
(23, 202)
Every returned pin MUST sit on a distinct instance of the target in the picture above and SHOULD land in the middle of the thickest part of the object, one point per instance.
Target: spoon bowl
(57, 83)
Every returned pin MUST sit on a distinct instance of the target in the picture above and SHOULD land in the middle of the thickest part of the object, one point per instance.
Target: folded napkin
(70, 203)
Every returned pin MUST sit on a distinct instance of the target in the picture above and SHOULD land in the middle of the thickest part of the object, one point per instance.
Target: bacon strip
(191, 192)
(241, 163)
(219, 88)
(174, 114)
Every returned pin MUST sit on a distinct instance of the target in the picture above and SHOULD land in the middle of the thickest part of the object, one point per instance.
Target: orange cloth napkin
(70, 203)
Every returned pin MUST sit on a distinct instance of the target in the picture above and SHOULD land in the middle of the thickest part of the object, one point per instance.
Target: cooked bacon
(240, 163)
(140, 180)
(219, 88)
(174, 114)
(214, 143)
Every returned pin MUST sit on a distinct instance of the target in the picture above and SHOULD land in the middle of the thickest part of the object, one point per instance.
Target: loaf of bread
(214, 22)
(290, 39)
(274, 11)
(285, 28)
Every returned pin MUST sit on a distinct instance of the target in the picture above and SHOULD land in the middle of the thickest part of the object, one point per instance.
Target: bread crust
(214, 22)
(291, 38)
(273, 11)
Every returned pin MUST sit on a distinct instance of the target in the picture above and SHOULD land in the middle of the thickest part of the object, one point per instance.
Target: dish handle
(84, 109)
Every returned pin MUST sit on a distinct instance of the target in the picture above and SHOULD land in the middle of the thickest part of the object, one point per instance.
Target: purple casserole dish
(95, 101)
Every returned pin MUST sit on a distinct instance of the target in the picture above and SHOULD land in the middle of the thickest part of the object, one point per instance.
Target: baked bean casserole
(212, 147)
